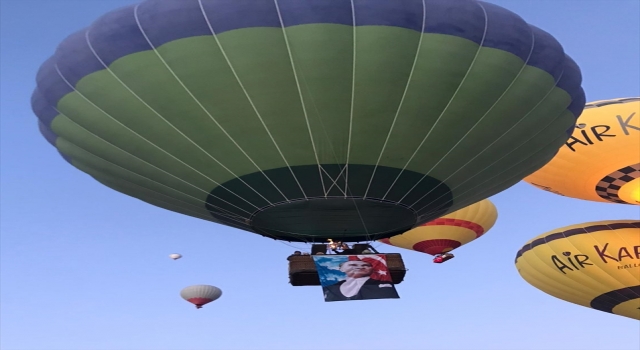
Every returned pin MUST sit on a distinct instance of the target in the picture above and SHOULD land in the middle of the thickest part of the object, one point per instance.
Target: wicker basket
(302, 269)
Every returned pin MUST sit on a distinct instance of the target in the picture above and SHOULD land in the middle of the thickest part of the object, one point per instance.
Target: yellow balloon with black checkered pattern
(594, 264)
(601, 160)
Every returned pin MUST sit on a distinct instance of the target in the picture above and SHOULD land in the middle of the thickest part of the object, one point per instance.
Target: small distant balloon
(175, 256)
(201, 294)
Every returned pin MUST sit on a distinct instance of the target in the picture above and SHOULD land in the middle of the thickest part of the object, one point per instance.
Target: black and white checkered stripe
(608, 187)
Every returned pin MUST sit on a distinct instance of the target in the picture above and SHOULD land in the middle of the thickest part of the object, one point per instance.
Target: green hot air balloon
(308, 120)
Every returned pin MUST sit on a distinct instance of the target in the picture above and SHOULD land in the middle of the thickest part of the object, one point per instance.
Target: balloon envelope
(175, 256)
(601, 160)
(594, 264)
(450, 231)
(308, 120)
(200, 294)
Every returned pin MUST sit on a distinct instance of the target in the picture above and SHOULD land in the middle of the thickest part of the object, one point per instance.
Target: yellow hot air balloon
(449, 232)
(601, 160)
(595, 264)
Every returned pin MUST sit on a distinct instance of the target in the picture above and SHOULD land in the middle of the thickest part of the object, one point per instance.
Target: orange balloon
(601, 160)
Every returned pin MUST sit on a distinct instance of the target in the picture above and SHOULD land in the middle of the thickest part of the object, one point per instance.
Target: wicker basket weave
(302, 269)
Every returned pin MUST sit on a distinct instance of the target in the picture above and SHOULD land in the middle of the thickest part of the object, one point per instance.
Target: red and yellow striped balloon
(450, 231)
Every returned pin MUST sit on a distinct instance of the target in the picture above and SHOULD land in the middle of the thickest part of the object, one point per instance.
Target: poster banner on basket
(355, 277)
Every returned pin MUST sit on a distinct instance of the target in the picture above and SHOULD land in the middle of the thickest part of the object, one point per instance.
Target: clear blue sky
(85, 267)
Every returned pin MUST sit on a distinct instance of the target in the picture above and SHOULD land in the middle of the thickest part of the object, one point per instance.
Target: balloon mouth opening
(371, 203)
(436, 246)
(199, 302)
(318, 219)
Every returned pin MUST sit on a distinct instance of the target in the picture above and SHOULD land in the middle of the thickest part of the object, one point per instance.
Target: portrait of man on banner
(355, 277)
